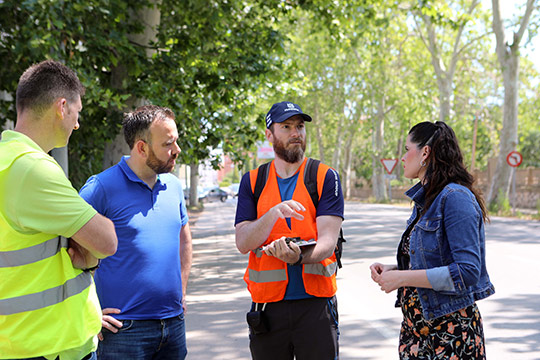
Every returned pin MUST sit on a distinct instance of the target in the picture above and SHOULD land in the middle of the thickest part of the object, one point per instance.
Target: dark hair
(41, 84)
(444, 163)
(137, 123)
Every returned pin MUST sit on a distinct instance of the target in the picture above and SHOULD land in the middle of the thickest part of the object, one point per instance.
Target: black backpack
(310, 180)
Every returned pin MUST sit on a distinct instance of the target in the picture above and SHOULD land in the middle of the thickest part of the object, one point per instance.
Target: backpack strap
(310, 179)
(339, 248)
(262, 176)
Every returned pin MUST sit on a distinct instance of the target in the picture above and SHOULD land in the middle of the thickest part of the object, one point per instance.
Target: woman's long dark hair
(444, 163)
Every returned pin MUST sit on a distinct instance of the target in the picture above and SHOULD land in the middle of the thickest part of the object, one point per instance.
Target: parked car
(214, 194)
(201, 193)
(233, 189)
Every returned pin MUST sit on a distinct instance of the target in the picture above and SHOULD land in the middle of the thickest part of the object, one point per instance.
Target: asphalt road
(218, 299)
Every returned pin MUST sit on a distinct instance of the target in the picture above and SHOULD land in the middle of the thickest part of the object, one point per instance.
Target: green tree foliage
(88, 36)
(359, 67)
(212, 59)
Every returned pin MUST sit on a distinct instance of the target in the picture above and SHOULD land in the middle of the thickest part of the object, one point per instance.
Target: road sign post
(514, 159)
(389, 166)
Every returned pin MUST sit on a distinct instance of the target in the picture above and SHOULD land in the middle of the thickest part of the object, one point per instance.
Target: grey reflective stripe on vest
(47, 297)
(320, 269)
(32, 254)
(267, 276)
(258, 252)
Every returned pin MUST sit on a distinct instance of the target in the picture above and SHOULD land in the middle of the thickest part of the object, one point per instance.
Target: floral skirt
(455, 336)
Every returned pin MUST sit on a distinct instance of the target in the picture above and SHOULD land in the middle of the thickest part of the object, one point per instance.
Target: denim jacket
(449, 242)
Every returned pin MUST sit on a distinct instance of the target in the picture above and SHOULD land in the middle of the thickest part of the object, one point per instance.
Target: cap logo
(290, 107)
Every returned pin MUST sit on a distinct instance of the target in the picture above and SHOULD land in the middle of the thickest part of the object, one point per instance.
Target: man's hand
(81, 258)
(251, 235)
(286, 253)
(108, 322)
(289, 209)
(184, 305)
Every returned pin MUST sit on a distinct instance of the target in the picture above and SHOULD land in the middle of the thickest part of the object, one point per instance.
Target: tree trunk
(61, 157)
(149, 16)
(346, 177)
(318, 132)
(508, 139)
(399, 153)
(444, 74)
(377, 179)
(445, 92)
(508, 56)
(194, 185)
(338, 142)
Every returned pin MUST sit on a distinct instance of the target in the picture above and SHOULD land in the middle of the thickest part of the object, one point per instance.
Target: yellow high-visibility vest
(46, 305)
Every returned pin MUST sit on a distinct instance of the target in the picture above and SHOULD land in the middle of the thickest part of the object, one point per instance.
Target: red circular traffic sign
(514, 158)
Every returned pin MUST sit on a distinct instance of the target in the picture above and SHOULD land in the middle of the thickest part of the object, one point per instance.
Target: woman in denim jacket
(441, 265)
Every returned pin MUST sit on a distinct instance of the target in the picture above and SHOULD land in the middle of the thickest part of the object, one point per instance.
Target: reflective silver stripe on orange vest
(32, 254)
(47, 297)
(267, 276)
(320, 269)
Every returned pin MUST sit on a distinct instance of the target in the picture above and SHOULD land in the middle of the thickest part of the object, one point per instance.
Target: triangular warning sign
(389, 164)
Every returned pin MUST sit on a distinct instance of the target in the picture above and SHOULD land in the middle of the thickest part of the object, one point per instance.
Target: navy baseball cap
(281, 111)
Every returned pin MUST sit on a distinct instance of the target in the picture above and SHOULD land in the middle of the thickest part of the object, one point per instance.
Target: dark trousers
(306, 329)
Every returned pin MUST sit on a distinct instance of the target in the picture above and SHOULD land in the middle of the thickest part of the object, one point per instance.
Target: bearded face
(292, 152)
(160, 166)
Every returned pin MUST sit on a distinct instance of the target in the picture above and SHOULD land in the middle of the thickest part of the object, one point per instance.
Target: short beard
(291, 156)
(157, 165)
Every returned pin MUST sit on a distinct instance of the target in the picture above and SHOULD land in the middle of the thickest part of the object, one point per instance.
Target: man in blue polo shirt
(142, 288)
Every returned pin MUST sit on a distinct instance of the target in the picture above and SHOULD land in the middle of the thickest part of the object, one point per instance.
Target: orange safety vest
(266, 276)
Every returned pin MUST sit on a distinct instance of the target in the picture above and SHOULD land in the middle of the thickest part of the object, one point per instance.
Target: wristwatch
(299, 261)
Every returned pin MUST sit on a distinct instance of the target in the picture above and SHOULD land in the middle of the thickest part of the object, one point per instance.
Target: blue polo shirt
(143, 278)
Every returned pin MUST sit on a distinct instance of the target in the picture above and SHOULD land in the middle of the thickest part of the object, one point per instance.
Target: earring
(422, 163)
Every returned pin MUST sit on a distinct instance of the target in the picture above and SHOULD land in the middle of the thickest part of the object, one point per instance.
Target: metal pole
(475, 132)
(513, 190)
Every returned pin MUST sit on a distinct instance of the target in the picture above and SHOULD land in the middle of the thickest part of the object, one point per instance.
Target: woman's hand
(378, 268)
(387, 276)
(390, 278)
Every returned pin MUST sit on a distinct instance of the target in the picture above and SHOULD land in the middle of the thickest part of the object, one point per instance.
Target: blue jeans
(145, 339)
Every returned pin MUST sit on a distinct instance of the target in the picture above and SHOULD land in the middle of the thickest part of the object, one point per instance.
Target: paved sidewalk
(218, 299)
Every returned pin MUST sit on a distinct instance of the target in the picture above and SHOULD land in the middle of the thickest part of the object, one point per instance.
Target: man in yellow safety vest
(50, 238)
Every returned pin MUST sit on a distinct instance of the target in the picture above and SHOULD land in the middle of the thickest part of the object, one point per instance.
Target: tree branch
(456, 50)
(473, 41)
(420, 32)
(524, 24)
(498, 29)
